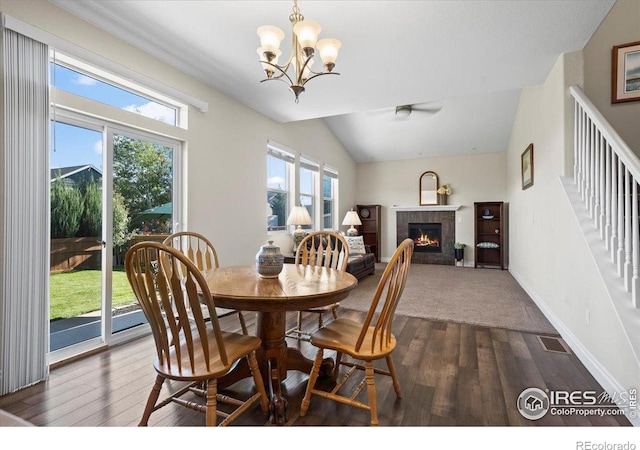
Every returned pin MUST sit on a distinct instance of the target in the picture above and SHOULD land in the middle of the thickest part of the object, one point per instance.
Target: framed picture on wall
(527, 167)
(625, 73)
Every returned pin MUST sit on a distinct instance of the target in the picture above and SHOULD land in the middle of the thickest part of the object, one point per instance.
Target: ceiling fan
(403, 112)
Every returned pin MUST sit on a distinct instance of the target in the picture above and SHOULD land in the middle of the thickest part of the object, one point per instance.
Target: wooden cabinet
(490, 231)
(370, 228)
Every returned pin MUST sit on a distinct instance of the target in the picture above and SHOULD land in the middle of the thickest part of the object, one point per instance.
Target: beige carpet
(487, 297)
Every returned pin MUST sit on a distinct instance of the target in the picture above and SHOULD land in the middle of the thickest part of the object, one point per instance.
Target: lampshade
(328, 49)
(299, 216)
(351, 218)
(276, 53)
(307, 32)
(270, 38)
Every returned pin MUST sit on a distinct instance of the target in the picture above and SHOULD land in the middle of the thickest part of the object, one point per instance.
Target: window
(329, 190)
(308, 181)
(80, 79)
(305, 186)
(279, 169)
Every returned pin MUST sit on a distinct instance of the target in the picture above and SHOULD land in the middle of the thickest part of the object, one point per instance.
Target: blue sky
(75, 146)
(78, 146)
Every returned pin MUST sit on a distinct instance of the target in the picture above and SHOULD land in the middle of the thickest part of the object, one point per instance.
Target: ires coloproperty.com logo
(534, 403)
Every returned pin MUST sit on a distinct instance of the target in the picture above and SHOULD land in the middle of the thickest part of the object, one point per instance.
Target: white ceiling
(472, 56)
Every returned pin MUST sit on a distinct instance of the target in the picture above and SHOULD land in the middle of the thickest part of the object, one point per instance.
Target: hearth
(427, 237)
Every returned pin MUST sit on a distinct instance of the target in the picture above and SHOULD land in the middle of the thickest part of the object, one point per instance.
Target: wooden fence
(83, 253)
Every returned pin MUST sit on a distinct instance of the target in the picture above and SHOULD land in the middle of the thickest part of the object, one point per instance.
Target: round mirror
(428, 188)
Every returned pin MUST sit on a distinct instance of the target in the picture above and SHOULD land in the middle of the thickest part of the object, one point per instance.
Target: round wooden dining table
(296, 288)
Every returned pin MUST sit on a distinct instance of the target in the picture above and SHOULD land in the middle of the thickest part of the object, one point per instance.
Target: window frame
(277, 152)
(314, 169)
(90, 70)
(332, 174)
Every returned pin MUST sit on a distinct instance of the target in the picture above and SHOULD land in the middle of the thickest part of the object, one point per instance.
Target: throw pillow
(356, 245)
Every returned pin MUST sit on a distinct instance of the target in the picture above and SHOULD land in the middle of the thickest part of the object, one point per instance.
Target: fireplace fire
(426, 237)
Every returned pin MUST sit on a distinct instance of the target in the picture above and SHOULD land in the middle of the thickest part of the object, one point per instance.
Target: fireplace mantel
(427, 208)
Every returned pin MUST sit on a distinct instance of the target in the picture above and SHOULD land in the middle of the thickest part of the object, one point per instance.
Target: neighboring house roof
(73, 172)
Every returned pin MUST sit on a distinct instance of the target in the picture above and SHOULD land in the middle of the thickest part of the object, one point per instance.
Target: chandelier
(303, 40)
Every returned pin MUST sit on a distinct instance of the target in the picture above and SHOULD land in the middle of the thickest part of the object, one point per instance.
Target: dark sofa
(362, 265)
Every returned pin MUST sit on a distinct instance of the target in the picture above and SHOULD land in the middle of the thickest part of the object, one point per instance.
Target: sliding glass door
(143, 198)
(76, 277)
(110, 188)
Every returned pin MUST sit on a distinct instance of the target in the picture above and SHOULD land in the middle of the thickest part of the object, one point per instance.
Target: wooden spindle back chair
(203, 254)
(170, 289)
(323, 249)
(364, 341)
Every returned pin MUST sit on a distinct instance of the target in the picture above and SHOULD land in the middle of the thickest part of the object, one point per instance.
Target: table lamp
(351, 218)
(299, 216)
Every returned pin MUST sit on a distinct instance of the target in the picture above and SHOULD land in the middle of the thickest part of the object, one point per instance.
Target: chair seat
(236, 346)
(342, 335)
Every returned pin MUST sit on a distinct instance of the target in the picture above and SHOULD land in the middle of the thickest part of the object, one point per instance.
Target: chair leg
(334, 311)
(257, 379)
(151, 401)
(313, 376)
(242, 323)
(212, 403)
(371, 390)
(394, 376)
(299, 321)
(336, 369)
(320, 321)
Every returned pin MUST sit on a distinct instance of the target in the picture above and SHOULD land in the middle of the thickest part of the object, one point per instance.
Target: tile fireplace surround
(444, 214)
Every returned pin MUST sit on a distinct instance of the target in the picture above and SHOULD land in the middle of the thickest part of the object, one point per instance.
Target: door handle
(103, 243)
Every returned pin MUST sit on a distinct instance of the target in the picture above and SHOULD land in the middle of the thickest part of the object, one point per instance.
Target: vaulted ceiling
(464, 61)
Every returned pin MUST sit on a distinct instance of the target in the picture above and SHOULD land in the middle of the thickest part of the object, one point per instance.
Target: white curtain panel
(24, 210)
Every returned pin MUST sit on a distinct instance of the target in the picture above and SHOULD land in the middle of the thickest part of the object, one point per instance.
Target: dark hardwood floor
(451, 375)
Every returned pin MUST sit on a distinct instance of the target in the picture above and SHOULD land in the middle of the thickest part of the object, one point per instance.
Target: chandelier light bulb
(307, 32)
(268, 68)
(270, 38)
(328, 49)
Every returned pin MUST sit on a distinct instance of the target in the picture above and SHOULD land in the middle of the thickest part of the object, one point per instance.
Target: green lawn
(79, 292)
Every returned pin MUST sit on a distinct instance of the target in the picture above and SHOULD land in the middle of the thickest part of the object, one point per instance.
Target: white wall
(621, 26)
(225, 170)
(475, 178)
(549, 255)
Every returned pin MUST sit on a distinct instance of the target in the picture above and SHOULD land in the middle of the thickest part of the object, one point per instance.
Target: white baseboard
(591, 363)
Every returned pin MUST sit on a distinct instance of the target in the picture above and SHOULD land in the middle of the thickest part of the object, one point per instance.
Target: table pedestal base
(275, 359)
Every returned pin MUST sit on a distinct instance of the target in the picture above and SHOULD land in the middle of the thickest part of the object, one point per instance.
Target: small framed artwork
(625, 73)
(527, 167)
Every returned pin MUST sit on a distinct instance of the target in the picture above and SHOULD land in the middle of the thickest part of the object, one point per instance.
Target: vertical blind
(24, 210)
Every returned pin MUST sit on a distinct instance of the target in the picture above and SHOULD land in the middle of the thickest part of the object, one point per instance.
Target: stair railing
(606, 173)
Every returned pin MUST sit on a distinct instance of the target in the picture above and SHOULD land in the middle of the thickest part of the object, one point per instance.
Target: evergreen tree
(66, 210)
